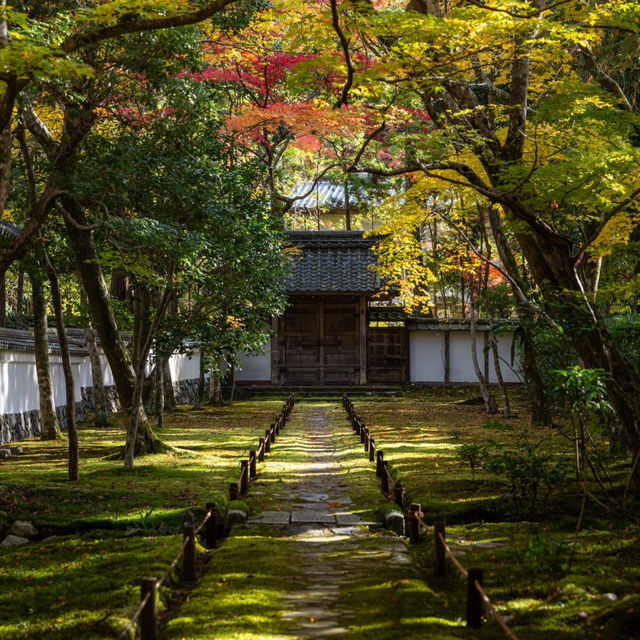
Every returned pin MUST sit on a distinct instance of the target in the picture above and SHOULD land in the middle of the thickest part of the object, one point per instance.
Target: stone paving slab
(352, 518)
(313, 516)
(272, 517)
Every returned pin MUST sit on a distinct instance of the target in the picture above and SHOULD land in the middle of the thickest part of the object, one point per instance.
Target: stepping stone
(313, 516)
(273, 517)
(351, 518)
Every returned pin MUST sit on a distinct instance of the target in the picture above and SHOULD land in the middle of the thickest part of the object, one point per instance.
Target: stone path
(338, 551)
(329, 538)
(313, 561)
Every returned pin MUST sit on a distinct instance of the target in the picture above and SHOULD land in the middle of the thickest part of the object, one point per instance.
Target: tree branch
(344, 43)
(127, 24)
(604, 79)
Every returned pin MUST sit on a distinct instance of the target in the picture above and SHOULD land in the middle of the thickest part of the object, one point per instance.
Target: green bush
(532, 475)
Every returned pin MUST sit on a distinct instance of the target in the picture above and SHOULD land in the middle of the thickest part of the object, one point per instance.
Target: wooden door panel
(387, 354)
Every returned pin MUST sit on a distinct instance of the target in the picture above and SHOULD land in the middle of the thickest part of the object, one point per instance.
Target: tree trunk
(539, 401)
(141, 321)
(99, 400)
(201, 390)
(88, 266)
(503, 387)
(169, 393)
(215, 389)
(20, 300)
(50, 425)
(489, 400)
(134, 435)
(551, 264)
(158, 401)
(72, 429)
(3, 300)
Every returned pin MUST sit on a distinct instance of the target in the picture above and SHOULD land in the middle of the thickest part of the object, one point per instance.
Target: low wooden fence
(477, 599)
(146, 614)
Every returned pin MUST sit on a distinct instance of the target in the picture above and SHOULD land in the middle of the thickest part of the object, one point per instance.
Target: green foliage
(545, 554)
(532, 474)
(583, 391)
(472, 454)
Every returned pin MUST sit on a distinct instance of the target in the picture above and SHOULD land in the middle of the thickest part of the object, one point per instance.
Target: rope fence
(146, 613)
(477, 599)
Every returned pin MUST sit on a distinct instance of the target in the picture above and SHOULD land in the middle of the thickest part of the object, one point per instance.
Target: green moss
(85, 584)
(238, 505)
(387, 509)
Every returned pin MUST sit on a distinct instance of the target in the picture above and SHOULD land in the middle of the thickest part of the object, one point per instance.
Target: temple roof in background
(8, 229)
(324, 195)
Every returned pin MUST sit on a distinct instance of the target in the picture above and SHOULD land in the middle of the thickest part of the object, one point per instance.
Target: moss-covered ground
(552, 581)
(549, 581)
(84, 582)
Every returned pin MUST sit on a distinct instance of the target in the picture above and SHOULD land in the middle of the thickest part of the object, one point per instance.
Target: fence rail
(477, 598)
(145, 614)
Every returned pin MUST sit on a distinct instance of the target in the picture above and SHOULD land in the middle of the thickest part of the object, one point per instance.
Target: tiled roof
(332, 262)
(22, 340)
(324, 195)
(8, 229)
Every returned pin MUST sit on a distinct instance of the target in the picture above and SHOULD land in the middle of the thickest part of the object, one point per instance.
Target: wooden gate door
(299, 344)
(387, 355)
(340, 352)
(319, 342)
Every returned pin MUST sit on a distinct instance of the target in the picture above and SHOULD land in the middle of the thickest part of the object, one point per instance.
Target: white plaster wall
(185, 366)
(427, 357)
(461, 364)
(254, 368)
(19, 381)
(426, 360)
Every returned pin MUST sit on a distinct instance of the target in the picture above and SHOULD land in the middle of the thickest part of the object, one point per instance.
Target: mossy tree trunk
(90, 271)
(72, 430)
(49, 420)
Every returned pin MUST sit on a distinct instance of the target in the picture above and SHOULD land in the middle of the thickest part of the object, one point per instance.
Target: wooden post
(267, 441)
(399, 493)
(261, 450)
(278, 423)
(447, 357)
(367, 439)
(233, 490)
(189, 558)
(273, 433)
(372, 449)
(211, 526)
(474, 600)
(413, 525)
(385, 477)
(362, 431)
(379, 465)
(252, 464)
(439, 553)
(363, 340)
(148, 616)
(244, 477)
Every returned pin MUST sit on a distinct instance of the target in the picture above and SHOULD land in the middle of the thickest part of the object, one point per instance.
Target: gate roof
(332, 262)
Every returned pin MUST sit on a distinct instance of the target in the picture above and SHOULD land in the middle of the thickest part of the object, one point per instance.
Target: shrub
(532, 475)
